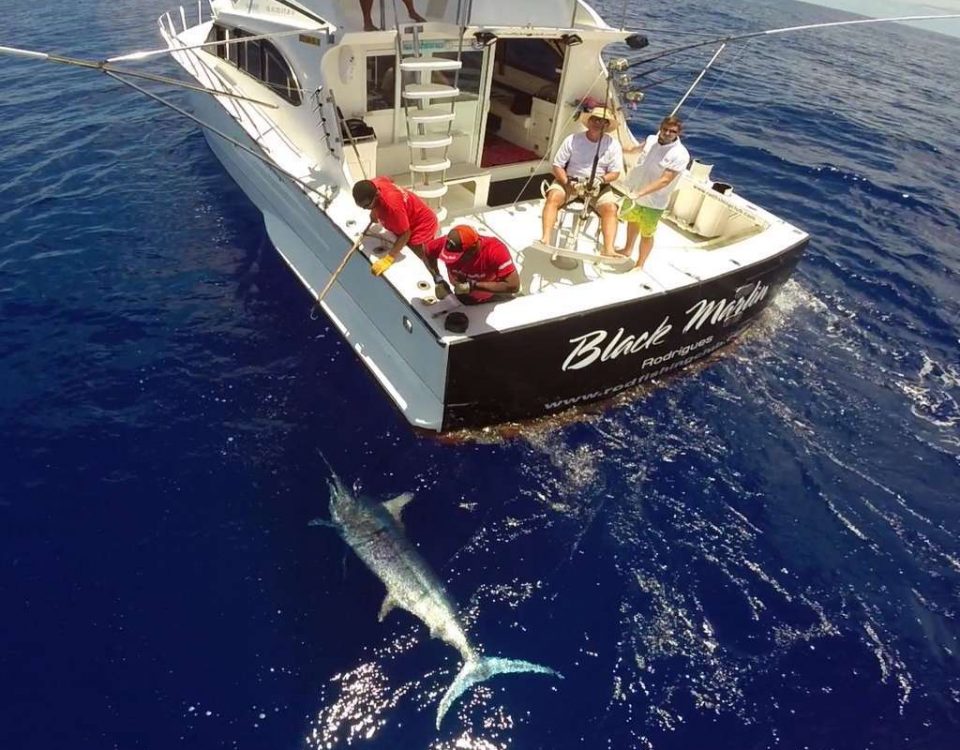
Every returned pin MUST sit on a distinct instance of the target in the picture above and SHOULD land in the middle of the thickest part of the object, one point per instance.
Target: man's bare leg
(414, 16)
(366, 6)
(646, 245)
(608, 226)
(551, 205)
(633, 231)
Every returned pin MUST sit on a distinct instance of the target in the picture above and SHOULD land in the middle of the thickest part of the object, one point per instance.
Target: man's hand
(595, 184)
(463, 287)
(378, 268)
(440, 287)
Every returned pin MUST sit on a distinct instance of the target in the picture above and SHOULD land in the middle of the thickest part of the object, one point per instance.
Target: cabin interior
(504, 116)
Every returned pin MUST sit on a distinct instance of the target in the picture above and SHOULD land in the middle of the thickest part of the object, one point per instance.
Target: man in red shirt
(480, 268)
(398, 211)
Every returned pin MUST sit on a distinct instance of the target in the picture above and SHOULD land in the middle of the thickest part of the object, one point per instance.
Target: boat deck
(679, 259)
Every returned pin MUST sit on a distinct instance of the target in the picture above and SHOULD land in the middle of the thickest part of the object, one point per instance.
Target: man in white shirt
(650, 183)
(573, 167)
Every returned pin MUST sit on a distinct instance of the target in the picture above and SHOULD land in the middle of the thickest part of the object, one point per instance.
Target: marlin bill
(375, 532)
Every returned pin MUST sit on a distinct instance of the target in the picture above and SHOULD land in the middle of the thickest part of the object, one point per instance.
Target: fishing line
(716, 83)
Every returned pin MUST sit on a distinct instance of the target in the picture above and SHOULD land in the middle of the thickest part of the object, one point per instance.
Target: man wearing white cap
(581, 156)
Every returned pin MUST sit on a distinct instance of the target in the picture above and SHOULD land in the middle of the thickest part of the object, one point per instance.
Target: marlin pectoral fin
(324, 522)
(388, 604)
(395, 507)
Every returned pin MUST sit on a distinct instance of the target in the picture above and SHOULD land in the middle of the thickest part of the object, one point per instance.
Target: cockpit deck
(744, 234)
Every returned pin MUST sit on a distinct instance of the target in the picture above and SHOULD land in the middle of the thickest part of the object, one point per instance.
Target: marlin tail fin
(480, 670)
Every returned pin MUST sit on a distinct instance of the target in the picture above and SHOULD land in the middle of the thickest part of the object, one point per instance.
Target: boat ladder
(429, 109)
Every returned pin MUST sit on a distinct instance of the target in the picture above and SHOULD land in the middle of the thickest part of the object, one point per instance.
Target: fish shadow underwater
(375, 532)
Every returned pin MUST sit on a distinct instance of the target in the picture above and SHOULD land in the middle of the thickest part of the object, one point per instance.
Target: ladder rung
(431, 141)
(430, 191)
(431, 166)
(430, 91)
(429, 63)
(434, 114)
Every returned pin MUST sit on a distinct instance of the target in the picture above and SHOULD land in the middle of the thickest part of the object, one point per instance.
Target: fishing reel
(624, 83)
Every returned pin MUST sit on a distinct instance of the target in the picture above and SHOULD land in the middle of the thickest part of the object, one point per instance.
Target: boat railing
(257, 126)
(168, 25)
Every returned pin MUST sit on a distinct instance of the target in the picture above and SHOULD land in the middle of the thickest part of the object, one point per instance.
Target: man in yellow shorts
(649, 185)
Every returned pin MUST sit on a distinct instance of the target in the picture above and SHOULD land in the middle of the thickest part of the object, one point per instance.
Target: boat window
(277, 75)
(233, 50)
(260, 59)
(254, 66)
(380, 82)
(468, 81)
(220, 35)
(470, 74)
(539, 57)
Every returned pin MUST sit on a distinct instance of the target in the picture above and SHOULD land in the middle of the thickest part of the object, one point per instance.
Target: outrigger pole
(118, 75)
(146, 54)
(724, 41)
(104, 66)
(785, 30)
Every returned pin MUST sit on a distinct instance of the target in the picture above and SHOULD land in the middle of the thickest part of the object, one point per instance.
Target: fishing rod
(592, 191)
(106, 67)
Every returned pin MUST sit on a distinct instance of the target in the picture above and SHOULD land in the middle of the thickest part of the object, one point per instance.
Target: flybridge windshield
(347, 14)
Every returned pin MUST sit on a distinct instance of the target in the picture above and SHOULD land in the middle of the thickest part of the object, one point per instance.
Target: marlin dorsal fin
(396, 505)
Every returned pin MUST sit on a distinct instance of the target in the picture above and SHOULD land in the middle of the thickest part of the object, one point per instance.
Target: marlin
(375, 532)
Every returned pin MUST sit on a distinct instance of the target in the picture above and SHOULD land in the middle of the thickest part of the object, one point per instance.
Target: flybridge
(386, 14)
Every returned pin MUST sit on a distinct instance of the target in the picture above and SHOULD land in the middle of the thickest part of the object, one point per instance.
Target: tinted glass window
(254, 64)
(380, 82)
(277, 75)
(219, 35)
(539, 57)
(258, 58)
(468, 81)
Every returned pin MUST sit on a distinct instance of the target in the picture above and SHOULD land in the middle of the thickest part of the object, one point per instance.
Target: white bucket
(712, 218)
(700, 171)
(687, 204)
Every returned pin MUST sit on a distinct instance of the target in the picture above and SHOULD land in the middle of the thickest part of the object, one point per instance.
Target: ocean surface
(762, 554)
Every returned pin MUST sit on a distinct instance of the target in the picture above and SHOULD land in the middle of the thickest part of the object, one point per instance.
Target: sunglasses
(594, 118)
(670, 131)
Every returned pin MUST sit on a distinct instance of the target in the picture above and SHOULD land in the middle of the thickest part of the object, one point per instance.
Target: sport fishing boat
(464, 104)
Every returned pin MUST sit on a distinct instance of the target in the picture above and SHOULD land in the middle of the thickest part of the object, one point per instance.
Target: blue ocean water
(765, 553)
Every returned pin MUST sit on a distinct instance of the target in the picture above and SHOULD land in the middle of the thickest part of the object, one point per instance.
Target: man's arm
(610, 177)
(400, 243)
(661, 182)
(509, 285)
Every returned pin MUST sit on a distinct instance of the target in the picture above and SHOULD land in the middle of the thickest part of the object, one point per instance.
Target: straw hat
(603, 112)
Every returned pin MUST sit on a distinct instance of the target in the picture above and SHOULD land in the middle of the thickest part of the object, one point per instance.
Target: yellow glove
(382, 265)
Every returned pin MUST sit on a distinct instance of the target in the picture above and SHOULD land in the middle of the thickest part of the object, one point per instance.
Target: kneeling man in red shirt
(480, 268)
